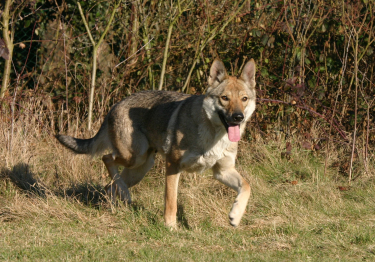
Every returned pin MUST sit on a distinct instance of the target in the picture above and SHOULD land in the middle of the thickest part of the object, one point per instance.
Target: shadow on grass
(181, 218)
(22, 178)
(92, 195)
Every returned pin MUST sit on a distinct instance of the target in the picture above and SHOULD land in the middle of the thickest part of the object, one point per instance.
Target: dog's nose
(237, 117)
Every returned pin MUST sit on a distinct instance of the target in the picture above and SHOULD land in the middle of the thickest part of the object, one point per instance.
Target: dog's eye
(244, 99)
(225, 98)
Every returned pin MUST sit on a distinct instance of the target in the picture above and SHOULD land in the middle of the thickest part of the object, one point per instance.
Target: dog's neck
(211, 132)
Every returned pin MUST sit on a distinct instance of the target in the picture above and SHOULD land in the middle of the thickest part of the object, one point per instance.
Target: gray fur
(194, 133)
(92, 146)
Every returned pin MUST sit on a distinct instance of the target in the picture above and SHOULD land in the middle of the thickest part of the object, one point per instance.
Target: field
(308, 153)
(53, 207)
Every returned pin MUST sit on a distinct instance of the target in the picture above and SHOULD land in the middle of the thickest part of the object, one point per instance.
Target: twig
(94, 55)
(170, 29)
(134, 53)
(345, 59)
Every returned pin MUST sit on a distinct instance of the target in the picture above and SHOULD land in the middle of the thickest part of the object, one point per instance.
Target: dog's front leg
(171, 185)
(225, 172)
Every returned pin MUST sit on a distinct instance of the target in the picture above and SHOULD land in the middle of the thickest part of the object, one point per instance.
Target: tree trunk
(8, 40)
(134, 33)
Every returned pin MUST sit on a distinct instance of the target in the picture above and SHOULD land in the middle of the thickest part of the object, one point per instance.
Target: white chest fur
(212, 149)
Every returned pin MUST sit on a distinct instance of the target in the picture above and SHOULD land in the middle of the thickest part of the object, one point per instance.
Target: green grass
(65, 214)
(53, 239)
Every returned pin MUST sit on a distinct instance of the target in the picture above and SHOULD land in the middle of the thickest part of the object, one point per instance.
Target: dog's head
(230, 101)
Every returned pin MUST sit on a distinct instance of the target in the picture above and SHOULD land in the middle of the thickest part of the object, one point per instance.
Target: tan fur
(190, 131)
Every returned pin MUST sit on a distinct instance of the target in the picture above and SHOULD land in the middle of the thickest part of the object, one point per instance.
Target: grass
(53, 207)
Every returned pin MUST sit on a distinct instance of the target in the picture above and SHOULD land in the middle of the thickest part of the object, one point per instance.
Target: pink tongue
(234, 133)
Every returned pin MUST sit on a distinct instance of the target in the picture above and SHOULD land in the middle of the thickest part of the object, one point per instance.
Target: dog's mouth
(233, 128)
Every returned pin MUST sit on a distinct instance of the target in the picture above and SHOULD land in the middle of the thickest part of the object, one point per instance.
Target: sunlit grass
(53, 207)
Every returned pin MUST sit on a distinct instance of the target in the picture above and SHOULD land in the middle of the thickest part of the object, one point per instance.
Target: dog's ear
(217, 73)
(248, 73)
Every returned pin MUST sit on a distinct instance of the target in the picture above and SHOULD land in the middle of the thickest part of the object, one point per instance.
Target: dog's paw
(125, 198)
(234, 219)
(114, 191)
(235, 214)
(171, 224)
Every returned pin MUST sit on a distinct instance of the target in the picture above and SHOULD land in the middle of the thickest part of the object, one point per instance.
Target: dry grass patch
(53, 207)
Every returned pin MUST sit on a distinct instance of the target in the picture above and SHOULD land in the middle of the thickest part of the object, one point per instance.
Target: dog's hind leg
(225, 172)
(132, 176)
(117, 185)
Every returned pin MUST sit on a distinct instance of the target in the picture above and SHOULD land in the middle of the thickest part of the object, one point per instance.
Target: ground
(53, 207)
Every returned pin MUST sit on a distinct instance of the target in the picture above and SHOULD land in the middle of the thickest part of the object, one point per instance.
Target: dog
(192, 132)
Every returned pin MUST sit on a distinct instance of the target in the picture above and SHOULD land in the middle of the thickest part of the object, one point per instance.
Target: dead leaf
(288, 147)
(288, 151)
(317, 147)
(4, 52)
(306, 145)
(343, 188)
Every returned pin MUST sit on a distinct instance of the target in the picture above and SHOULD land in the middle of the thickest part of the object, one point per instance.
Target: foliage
(305, 53)
(315, 95)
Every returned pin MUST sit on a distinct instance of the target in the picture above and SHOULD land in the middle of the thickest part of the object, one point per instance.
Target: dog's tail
(91, 146)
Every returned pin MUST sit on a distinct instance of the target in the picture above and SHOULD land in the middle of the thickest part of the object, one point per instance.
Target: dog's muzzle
(238, 117)
(232, 125)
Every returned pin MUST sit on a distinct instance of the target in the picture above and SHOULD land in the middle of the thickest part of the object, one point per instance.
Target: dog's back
(193, 132)
(141, 112)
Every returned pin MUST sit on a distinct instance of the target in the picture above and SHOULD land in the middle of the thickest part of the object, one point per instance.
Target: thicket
(315, 64)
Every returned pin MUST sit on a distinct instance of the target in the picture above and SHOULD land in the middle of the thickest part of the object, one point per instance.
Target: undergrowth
(53, 207)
